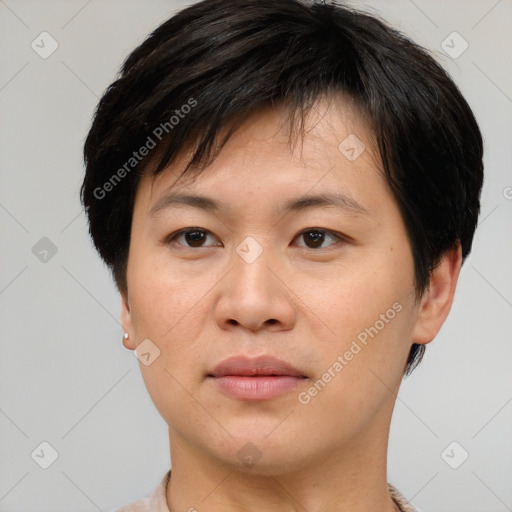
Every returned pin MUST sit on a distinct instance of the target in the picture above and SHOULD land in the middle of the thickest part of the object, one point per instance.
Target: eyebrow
(326, 199)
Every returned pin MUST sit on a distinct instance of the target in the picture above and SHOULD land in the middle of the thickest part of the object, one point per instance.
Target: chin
(263, 453)
(266, 462)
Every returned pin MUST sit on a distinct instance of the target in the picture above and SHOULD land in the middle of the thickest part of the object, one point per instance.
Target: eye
(316, 237)
(193, 236)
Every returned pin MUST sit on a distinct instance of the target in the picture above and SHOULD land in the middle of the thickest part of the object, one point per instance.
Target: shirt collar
(158, 500)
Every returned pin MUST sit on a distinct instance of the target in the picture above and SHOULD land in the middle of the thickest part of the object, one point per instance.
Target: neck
(350, 477)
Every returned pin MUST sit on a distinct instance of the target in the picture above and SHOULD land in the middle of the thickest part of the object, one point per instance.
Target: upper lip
(247, 366)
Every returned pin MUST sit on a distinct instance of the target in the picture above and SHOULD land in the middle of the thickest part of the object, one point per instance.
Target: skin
(200, 303)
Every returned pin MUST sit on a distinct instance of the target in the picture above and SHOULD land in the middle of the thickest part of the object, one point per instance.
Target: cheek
(369, 314)
(357, 297)
(162, 297)
(172, 308)
(167, 311)
(360, 365)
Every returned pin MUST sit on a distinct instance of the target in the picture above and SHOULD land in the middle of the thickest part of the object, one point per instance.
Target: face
(328, 288)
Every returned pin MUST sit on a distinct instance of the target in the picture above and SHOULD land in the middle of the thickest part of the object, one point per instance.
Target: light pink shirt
(157, 502)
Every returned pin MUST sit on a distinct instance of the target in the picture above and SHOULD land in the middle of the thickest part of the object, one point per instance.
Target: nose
(256, 295)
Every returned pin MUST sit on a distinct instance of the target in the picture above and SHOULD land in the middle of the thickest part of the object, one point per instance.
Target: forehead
(334, 152)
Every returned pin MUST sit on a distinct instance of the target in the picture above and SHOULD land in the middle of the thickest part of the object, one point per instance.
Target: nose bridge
(253, 295)
(252, 259)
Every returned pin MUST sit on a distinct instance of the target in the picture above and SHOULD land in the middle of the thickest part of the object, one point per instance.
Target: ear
(438, 298)
(127, 322)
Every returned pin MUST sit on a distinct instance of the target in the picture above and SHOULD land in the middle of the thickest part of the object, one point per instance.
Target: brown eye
(314, 238)
(192, 237)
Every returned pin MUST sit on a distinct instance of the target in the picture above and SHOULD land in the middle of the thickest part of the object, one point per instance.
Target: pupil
(317, 237)
(194, 237)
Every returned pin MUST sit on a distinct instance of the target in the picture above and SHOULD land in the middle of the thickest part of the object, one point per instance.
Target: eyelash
(171, 238)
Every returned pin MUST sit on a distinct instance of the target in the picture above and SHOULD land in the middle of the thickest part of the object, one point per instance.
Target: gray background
(65, 377)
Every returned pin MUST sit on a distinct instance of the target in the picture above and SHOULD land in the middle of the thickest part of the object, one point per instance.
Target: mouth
(260, 378)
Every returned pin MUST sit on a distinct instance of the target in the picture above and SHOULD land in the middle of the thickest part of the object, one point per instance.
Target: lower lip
(257, 388)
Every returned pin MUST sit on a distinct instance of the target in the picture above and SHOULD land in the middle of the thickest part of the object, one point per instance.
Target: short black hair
(216, 62)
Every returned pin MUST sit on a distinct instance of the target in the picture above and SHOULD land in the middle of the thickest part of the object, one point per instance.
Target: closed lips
(259, 366)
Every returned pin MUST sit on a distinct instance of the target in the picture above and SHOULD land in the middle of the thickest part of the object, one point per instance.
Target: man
(285, 193)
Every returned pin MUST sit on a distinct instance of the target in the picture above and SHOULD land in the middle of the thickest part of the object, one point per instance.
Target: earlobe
(438, 298)
(126, 322)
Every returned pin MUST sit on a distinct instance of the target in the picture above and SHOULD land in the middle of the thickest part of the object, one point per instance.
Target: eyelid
(335, 234)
